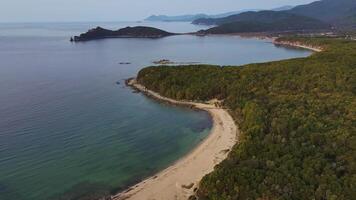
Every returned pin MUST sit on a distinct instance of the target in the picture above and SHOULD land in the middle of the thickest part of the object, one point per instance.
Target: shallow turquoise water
(67, 128)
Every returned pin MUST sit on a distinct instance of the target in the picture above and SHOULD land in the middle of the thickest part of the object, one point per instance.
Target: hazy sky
(121, 10)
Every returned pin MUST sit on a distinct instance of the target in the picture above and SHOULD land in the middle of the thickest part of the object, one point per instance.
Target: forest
(264, 21)
(297, 119)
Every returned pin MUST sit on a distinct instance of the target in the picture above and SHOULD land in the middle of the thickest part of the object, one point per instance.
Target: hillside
(340, 13)
(190, 18)
(128, 32)
(179, 18)
(260, 16)
(283, 8)
(264, 21)
(331, 11)
(297, 119)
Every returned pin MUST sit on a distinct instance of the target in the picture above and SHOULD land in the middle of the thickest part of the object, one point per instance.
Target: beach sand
(179, 181)
(298, 45)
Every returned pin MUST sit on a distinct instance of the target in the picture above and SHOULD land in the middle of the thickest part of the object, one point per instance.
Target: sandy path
(179, 180)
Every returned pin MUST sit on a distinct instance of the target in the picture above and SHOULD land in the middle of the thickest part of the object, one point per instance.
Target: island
(128, 32)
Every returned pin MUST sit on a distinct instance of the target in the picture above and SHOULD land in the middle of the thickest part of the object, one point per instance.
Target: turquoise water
(67, 128)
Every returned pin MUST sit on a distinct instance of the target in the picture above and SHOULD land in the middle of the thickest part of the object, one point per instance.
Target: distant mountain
(337, 12)
(244, 16)
(326, 10)
(230, 13)
(340, 13)
(283, 8)
(128, 32)
(260, 16)
(190, 18)
(264, 21)
(179, 18)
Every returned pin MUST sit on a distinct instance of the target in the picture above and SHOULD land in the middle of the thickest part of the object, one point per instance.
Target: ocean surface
(68, 129)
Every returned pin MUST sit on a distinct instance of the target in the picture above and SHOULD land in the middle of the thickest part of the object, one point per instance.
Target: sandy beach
(298, 45)
(179, 181)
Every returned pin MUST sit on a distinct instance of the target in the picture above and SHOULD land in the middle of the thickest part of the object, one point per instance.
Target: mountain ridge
(192, 17)
(265, 21)
(339, 13)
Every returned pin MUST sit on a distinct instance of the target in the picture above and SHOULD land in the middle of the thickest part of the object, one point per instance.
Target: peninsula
(295, 119)
(128, 32)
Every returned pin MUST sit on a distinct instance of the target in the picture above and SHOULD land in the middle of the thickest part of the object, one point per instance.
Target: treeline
(297, 117)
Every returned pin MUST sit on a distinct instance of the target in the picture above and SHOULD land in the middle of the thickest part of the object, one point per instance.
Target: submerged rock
(124, 63)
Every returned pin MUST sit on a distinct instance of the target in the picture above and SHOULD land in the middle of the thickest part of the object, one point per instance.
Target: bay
(67, 128)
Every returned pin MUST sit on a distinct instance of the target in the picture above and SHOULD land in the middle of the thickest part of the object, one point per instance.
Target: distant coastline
(155, 33)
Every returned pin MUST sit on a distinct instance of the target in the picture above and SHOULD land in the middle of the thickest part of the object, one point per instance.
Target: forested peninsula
(128, 32)
(297, 119)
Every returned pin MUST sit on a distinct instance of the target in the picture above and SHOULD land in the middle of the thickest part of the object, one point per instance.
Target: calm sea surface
(67, 128)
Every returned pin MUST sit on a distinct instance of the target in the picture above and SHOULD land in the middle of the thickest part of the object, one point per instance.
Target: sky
(122, 10)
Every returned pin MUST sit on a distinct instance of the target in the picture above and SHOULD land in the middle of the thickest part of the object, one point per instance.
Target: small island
(128, 32)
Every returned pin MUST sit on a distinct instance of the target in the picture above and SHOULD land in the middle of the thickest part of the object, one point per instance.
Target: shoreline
(298, 45)
(270, 38)
(163, 185)
(180, 180)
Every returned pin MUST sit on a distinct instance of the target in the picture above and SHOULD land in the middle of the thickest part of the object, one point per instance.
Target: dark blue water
(67, 128)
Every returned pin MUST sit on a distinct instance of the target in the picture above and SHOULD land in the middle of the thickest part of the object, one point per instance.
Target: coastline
(272, 39)
(180, 180)
(298, 45)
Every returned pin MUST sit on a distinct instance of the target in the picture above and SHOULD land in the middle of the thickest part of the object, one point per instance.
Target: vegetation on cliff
(297, 117)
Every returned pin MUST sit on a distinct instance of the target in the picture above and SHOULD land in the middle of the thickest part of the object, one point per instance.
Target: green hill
(297, 119)
(178, 18)
(265, 21)
(337, 12)
(265, 16)
(192, 17)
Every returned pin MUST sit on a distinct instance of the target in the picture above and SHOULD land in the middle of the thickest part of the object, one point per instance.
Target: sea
(71, 129)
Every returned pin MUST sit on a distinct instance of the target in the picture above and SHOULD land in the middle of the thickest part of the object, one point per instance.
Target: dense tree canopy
(297, 118)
